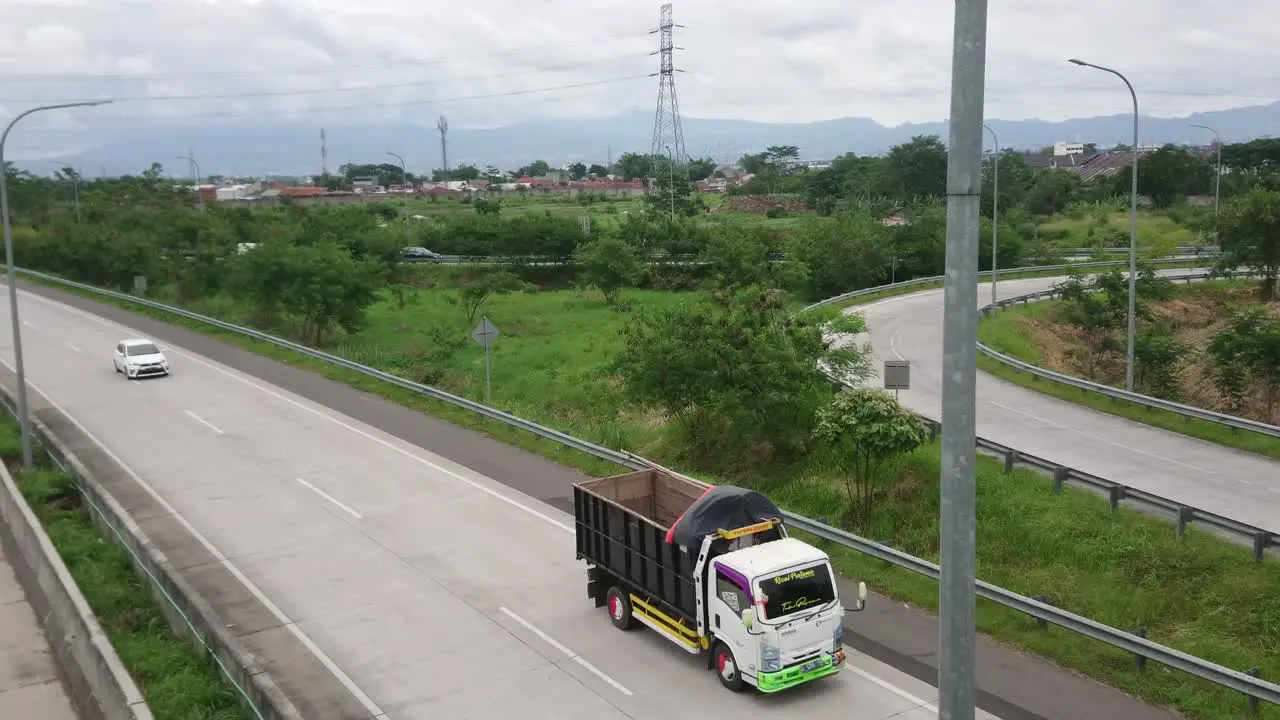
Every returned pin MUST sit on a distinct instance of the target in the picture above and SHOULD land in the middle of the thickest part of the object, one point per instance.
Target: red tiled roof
(302, 191)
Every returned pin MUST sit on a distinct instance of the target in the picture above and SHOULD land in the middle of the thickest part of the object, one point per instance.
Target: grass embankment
(1153, 228)
(178, 682)
(1026, 331)
(1200, 594)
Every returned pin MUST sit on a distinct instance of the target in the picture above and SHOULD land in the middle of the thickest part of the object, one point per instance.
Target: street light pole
(24, 419)
(995, 214)
(1133, 226)
(190, 157)
(404, 185)
(1217, 181)
(957, 515)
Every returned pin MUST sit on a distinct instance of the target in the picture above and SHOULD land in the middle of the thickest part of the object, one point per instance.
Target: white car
(140, 358)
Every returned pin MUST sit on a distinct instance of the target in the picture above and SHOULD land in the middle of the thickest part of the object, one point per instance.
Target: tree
(597, 170)
(700, 169)
(1249, 236)
(672, 191)
(328, 288)
(1167, 175)
(478, 289)
(917, 169)
(577, 171)
(739, 375)
(537, 168)
(739, 256)
(841, 254)
(863, 428)
(1158, 358)
(608, 264)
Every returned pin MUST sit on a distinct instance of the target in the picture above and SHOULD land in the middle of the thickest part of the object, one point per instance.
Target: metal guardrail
(1184, 410)
(1241, 682)
(987, 273)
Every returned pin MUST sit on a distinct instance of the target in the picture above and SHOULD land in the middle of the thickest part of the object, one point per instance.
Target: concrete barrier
(189, 614)
(98, 683)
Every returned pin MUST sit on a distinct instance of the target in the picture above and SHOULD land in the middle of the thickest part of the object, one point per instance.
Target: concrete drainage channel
(98, 682)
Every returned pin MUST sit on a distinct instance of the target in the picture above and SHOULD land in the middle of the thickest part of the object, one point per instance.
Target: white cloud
(749, 59)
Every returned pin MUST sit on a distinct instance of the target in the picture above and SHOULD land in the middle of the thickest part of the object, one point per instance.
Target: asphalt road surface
(436, 590)
(1237, 484)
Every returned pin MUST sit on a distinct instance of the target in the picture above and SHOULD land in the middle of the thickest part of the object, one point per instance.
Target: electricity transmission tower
(668, 137)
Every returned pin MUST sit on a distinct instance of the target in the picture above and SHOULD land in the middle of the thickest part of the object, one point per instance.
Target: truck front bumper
(821, 666)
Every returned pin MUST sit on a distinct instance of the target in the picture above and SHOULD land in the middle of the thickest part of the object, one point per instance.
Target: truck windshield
(795, 590)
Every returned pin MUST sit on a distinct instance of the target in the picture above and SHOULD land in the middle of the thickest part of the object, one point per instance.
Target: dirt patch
(760, 204)
(1195, 316)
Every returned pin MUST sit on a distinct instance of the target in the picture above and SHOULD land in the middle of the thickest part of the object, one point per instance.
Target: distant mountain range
(293, 148)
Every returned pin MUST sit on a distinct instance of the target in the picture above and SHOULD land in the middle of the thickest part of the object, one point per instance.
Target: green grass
(1200, 594)
(1152, 227)
(1006, 333)
(177, 682)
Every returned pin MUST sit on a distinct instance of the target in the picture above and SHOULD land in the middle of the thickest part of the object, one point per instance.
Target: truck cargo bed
(621, 524)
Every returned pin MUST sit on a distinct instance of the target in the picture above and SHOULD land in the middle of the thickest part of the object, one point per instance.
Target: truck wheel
(620, 609)
(727, 667)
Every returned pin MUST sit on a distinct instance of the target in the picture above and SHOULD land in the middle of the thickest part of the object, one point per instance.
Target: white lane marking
(72, 348)
(330, 498)
(1105, 441)
(202, 421)
(320, 655)
(572, 655)
(893, 345)
(181, 352)
(892, 688)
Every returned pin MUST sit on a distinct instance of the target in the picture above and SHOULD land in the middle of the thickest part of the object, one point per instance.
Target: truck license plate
(811, 665)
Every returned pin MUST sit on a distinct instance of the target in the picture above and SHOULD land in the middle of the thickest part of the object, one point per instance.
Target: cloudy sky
(492, 62)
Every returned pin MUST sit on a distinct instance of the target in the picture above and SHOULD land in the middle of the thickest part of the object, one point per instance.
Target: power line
(323, 91)
(367, 105)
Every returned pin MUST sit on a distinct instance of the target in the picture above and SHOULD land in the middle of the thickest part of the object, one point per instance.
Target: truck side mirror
(748, 617)
(862, 598)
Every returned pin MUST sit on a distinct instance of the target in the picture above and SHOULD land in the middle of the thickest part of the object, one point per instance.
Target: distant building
(1062, 148)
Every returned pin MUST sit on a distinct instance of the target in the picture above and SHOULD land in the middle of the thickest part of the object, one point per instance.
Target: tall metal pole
(1217, 181)
(24, 419)
(995, 214)
(671, 164)
(195, 166)
(404, 184)
(1133, 228)
(957, 525)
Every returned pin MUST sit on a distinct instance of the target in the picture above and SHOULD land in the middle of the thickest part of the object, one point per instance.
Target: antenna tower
(443, 125)
(324, 154)
(666, 120)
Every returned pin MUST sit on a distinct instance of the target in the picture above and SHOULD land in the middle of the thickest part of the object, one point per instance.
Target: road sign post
(484, 334)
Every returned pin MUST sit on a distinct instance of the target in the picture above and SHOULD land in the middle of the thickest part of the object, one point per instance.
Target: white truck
(711, 568)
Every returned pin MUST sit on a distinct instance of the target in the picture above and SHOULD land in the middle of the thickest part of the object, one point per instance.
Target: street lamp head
(96, 103)
(1075, 61)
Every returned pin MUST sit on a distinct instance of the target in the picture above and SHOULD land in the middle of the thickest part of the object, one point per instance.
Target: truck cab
(775, 615)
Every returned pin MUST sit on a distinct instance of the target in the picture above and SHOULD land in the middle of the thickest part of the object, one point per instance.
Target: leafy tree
(841, 254)
(1158, 358)
(328, 288)
(743, 256)
(917, 169)
(484, 206)
(700, 169)
(537, 168)
(736, 371)
(1167, 175)
(863, 428)
(577, 171)
(478, 289)
(1250, 237)
(597, 170)
(672, 191)
(608, 264)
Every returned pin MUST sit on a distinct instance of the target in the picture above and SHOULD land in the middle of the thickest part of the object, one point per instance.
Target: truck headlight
(837, 637)
(770, 660)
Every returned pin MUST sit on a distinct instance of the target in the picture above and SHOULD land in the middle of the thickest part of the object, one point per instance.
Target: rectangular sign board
(897, 375)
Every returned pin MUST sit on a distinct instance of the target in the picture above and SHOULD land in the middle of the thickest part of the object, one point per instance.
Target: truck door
(732, 596)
